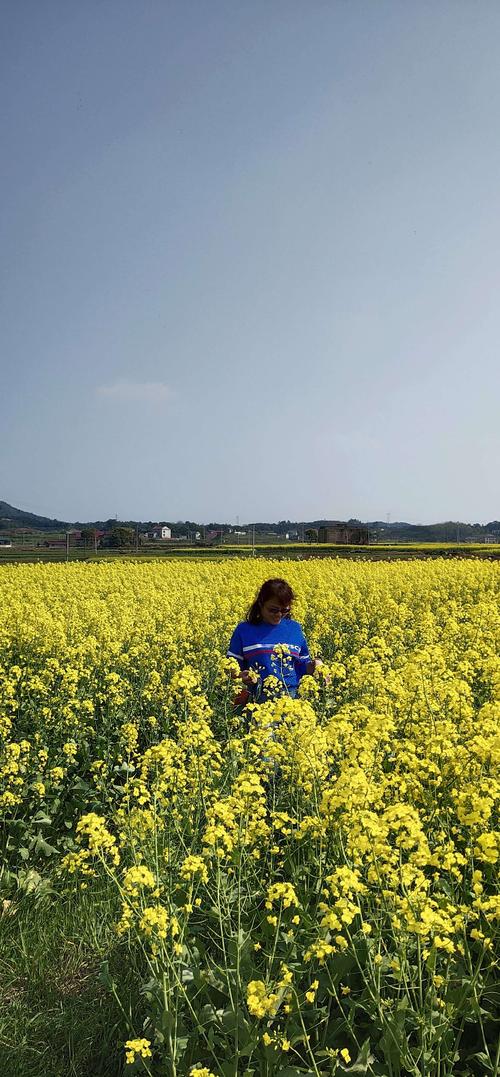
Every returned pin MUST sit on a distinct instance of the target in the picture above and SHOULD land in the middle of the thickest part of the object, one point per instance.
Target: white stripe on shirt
(271, 646)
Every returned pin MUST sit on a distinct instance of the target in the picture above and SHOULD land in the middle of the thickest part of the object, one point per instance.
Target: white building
(159, 532)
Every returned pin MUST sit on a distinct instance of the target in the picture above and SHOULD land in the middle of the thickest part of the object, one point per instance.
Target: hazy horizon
(250, 260)
(247, 522)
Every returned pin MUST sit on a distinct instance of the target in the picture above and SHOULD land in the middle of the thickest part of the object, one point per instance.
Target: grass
(57, 1017)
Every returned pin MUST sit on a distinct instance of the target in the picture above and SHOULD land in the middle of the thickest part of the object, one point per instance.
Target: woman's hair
(277, 589)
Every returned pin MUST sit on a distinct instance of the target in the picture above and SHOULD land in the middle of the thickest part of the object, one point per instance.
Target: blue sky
(249, 259)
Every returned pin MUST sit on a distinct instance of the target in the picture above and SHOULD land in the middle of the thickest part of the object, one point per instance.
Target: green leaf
(29, 880)
(42, 846)
(363, 1061)
(483, 1058)
(105, 976)
(151, 987)
(291, 1071)
(231, 1021)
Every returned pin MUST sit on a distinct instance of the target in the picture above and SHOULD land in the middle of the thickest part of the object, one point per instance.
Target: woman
(270, 644)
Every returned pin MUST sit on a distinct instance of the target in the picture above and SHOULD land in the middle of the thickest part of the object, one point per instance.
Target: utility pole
(253, 540)
(137, 538)
(67, 545)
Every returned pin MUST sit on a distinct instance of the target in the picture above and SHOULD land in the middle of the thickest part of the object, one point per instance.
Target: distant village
(122, 535)
(19, 528)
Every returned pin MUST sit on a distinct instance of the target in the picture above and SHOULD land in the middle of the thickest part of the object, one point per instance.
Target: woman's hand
(248, 676)
(241, 675)
(315, 666)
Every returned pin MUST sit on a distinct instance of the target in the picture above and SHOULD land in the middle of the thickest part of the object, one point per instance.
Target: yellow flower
(260, 1001)
(192, 866)
(137, 878)
(281, 892)
(112, 673)
(311, 994)
(155, 921)
(139, 1048)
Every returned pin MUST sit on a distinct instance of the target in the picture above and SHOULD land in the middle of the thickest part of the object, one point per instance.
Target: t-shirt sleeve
(235, 649)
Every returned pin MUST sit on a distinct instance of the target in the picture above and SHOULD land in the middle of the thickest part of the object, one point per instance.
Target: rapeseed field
(306, 886)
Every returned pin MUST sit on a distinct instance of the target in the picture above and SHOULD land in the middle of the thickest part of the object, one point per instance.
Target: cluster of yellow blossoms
(292, 873)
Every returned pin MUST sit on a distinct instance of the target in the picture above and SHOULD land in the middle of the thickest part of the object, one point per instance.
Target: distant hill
(11, 517)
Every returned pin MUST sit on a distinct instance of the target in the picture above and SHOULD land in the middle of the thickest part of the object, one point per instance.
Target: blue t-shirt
(254, 647)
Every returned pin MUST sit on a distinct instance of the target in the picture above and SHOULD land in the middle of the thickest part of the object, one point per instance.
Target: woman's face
(272, 611)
